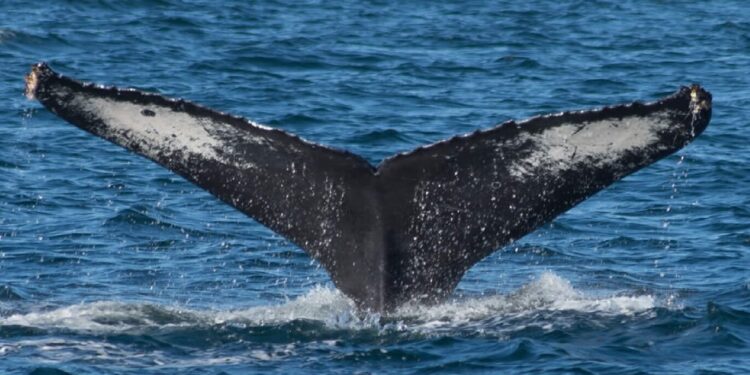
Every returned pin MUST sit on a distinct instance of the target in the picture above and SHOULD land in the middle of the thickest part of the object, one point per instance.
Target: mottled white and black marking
(409, 228)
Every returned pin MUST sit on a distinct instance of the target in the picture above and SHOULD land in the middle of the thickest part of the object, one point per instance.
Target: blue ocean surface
(112, 264)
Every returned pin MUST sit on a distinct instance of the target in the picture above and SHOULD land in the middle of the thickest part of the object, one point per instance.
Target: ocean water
(111, 264)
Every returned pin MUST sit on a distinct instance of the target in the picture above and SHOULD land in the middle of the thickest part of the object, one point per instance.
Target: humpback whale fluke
(409, 228)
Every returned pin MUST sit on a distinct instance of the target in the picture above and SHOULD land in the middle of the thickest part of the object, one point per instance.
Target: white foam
(598, 144)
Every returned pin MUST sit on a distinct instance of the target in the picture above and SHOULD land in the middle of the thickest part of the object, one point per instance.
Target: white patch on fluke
(167, 132)
(160, 131)
(599, 143)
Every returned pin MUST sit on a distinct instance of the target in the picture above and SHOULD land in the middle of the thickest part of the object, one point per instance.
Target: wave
(8, 294)
(6, 34)
(378, 136)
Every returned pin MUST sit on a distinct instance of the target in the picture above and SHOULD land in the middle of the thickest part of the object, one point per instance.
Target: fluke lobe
(409, 228)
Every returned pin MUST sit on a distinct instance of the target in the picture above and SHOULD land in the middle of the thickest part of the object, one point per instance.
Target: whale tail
(409, 228)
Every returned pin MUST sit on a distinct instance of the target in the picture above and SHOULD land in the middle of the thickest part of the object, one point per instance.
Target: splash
(320, 304)
(548, 293)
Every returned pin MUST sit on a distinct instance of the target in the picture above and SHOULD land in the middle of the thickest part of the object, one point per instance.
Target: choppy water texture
(110, 264)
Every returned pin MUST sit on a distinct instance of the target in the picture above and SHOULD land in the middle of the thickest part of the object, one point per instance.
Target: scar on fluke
(409, 228)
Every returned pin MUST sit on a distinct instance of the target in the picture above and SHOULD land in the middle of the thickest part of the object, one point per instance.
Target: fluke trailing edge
(409, 228)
